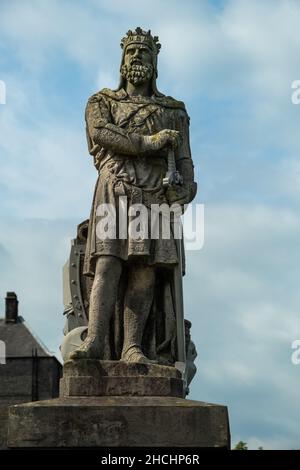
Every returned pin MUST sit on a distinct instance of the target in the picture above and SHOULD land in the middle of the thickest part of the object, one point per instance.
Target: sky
(233, 63)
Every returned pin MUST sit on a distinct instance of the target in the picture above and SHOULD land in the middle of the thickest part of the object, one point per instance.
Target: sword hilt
(173, 177)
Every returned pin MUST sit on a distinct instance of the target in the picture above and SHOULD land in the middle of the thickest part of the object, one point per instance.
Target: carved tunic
(114, 119)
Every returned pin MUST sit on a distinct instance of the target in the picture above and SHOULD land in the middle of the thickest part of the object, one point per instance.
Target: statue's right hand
(162, 139)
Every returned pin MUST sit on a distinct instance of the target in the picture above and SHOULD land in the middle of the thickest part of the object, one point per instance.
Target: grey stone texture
(118, 422)
(24, 379)
(92, 377)
(115, 404)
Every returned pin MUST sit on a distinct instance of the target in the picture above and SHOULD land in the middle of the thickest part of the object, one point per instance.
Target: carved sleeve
(184, 162)
(102, 133)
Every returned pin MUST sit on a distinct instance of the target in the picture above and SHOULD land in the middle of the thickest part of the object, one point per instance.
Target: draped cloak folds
(139, 178)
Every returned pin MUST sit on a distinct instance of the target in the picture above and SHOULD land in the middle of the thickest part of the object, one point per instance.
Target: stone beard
(137, 74)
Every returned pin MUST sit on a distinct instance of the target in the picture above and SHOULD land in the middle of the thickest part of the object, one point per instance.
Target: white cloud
(36, 250)
(106, 79)
(40, 31)
(44, 163)
(275, 442)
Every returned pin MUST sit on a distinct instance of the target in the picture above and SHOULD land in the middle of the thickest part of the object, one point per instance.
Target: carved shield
(76, 286)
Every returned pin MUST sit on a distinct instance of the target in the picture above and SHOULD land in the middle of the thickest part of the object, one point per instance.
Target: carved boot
(89, 349)
(134, 325)
(93, 345)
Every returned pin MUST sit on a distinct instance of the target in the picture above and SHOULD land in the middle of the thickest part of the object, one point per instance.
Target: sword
(173, 177)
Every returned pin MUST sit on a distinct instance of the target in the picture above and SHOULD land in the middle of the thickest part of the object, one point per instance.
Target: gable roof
(20, 341)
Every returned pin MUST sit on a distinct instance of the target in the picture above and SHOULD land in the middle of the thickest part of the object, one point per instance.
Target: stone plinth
(91, 422)
(92, 377)
(118, 404)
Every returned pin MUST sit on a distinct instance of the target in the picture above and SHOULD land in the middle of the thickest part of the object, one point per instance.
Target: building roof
(20, 341)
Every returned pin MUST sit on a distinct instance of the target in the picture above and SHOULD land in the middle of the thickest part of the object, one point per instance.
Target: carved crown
(142, 37)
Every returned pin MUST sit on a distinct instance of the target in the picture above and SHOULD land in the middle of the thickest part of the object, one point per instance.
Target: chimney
(11, 307)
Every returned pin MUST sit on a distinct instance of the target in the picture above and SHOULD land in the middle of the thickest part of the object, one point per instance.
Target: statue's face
(137, 66)
(137, 54)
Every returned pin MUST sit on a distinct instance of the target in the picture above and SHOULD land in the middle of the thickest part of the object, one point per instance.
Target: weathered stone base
(92, 377)
(118, 422)
(3, 426)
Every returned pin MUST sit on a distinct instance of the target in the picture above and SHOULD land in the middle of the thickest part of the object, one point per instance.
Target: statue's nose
(137, 53)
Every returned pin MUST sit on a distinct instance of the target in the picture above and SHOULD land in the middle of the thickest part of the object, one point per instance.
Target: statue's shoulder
(112, 94)
(170, 102)
(106, 93)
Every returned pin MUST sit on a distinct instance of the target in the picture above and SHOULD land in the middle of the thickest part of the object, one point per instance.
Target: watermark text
(159, 221)
(296, 94)
(2, 92)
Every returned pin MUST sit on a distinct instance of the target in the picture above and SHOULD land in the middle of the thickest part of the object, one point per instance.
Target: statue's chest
(139, 117)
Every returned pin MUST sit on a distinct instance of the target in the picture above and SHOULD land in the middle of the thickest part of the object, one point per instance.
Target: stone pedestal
(118, 422)
(115, 404)
(91, 377)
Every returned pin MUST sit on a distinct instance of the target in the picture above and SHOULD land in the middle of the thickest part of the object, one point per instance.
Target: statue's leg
(138, 301)
(102, 304)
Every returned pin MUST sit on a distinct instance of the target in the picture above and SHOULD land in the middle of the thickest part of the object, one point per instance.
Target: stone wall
(23, 380)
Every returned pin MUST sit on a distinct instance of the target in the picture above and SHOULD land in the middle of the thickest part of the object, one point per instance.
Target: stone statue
(131, 132)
